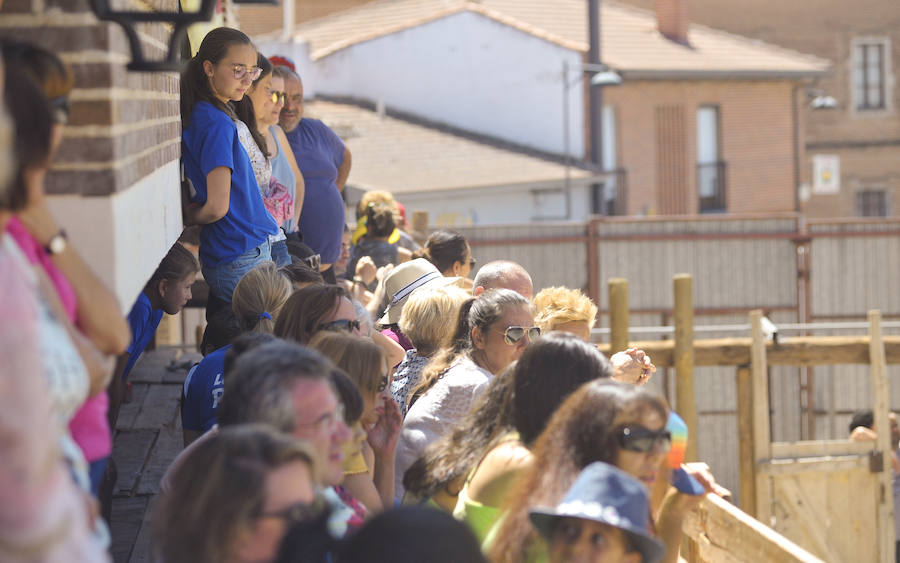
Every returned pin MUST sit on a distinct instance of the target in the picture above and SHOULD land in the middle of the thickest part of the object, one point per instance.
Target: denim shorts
(223, 277)
(280, 254)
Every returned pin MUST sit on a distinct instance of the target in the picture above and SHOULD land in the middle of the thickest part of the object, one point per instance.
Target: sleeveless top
(479, 517)
(282, 171)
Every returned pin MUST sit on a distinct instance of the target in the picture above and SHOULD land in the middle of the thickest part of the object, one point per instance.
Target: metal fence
(796, 271)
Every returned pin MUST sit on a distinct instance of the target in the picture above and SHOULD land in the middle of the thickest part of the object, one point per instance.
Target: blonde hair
(363, 360)
(259, 297)
(376, 196)
(425, 314)
(560, 305)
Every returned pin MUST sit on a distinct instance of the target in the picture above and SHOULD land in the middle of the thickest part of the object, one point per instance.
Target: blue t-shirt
(319, 153)
(144, 320)
(203, 388)
(211, 141)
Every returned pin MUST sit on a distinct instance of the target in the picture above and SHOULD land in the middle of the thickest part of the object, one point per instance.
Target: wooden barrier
(683, 358)
(719, 532)
(618, 314)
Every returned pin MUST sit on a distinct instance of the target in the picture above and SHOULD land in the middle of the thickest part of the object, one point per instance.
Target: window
(710, 169)
(871, 203)
(870, 68)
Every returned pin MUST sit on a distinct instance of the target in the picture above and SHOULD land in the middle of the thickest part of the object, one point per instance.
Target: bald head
(503, 274)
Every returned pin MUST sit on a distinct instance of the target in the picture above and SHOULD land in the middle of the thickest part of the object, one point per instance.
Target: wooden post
(746, 461)
(618, 315)
(685, 400)
(419, 226)
(761, 433)
(881, 396)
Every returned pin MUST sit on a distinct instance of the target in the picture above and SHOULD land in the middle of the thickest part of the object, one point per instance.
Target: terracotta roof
(400, 156)
(631, 42)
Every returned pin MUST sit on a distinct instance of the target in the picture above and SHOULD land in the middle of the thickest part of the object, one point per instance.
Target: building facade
(852, 133)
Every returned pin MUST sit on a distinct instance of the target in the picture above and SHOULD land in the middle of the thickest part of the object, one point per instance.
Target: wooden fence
(796, 271)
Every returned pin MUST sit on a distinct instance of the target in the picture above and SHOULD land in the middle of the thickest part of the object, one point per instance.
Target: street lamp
(601, 75)
(180, 21)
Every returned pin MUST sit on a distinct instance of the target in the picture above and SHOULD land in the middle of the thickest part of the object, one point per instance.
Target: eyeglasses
(326, 422)
(300, 512)
(278, 96)
(471, 262)
(242, 71)
(639, 439)
(340, 325)
(60, 109)
(313, 261)
(513, 334)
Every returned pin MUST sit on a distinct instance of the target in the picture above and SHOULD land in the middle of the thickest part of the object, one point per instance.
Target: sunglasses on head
(313, 261)
(60, 108)
(340, 325)
(513, 334)
(278, 96)
(242, 71)
(639, 439)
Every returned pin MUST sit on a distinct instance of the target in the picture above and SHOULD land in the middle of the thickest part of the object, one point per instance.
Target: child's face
(176, 294)
(231, 77)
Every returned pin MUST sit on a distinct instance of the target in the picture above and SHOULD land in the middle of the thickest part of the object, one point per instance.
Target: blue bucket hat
(603, 493)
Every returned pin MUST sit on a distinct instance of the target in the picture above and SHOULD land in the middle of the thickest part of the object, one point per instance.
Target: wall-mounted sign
(826, 174)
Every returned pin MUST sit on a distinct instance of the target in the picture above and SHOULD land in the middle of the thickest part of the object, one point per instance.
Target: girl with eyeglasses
(369, 464)
(225, 199)
(276, 171)
(491, 332)
(616, 423)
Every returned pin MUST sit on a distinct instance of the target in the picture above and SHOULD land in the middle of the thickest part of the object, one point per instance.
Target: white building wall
(498, 206)
(465, 70)
(123, 237)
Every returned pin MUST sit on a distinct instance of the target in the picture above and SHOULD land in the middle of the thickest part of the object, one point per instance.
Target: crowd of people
(360, 398)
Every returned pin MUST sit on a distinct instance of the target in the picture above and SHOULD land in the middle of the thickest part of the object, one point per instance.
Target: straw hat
(402, 281)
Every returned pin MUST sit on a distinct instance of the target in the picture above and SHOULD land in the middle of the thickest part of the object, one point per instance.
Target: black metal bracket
(179, 20)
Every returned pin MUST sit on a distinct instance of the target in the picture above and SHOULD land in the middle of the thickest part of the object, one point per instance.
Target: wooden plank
(819, 448)
(128, 411)
(722, 532)
(685, 399)
(805, 522)
(125, 523)
(141, 551)
(790, 351)
(746, 461)
(159, 407)
(618, 314)
(881, 395)
(130, 451)
(761, 432)
(823, 464)
(168, 445)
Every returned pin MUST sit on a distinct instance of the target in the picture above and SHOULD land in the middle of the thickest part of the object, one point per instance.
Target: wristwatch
(57, 243)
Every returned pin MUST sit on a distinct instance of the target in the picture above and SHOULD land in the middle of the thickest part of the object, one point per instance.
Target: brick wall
(867, 142)
(113, 175)
(756, 142)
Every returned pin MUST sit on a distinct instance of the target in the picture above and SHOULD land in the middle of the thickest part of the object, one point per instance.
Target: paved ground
(147, 438)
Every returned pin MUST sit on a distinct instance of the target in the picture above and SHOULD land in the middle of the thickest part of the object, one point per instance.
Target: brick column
(115, 180)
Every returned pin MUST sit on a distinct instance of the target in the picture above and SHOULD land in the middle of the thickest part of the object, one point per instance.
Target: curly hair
(560, 305)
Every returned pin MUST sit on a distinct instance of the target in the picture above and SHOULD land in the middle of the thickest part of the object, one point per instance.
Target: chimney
(672, 19)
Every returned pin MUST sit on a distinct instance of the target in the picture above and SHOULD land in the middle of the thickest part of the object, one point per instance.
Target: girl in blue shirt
(225, 199)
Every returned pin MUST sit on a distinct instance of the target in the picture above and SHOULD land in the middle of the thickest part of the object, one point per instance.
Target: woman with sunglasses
(225, 198)
(258, 111)
(616, 423)
(491, 332)
(369, 467)
(234, 497)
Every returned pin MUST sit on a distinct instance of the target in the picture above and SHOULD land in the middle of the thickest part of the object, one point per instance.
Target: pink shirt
(89, 427)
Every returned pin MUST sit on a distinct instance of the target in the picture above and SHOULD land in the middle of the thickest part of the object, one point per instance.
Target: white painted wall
(465, 70)
(123, 237)
(496, 206)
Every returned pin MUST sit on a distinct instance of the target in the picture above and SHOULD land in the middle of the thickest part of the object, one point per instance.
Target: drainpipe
(595, 91)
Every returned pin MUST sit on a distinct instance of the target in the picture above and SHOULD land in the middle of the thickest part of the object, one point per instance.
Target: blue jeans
(280, 253)
(223, 277)
(96, 470)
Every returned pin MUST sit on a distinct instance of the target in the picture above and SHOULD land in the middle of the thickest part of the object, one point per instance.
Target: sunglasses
(278, 96)
(382, 383)
(340, 325)
(472, 262)
(313, 261)
(242, 71)
(513, 334)
(639, 439)
(300, 512)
